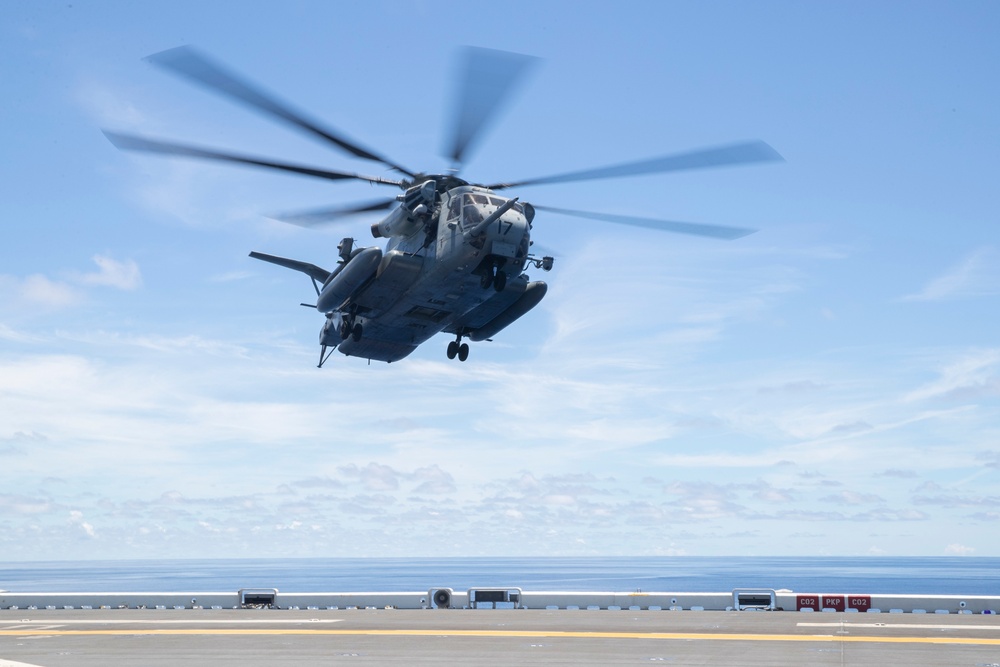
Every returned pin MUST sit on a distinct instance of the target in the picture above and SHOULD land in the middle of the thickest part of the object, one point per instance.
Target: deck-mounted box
(861, 603)
(494, 596)
(834, 602)
(756, 599)
(258, 597)
(807, 601)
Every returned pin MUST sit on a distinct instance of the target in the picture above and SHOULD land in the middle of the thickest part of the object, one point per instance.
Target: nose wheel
(494, 277)
(456, 348)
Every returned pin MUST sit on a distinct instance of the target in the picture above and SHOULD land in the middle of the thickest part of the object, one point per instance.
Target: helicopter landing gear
(499, 280)
(351, 328)
(456, 348)
(493, 277)
(324, 355)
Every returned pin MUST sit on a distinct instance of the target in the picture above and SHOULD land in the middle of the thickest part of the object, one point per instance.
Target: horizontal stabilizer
(311, 270)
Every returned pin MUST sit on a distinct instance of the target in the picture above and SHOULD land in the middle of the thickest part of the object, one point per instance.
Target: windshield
(477, 207)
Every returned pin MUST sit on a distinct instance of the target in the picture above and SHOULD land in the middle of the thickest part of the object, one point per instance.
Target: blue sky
(828, 385)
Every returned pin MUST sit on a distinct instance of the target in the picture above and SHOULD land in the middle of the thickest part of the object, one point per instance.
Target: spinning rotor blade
(325, 215)
(187, 62)
(131, 142)
(485, 83)
(723, 156)
(695, 228)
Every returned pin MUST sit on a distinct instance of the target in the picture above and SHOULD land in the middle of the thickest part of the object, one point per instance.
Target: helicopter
(456, 250)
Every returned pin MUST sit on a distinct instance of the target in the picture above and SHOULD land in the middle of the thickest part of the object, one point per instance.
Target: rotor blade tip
(119, 141)
(769, 153)
(743, 233)
(171, 54)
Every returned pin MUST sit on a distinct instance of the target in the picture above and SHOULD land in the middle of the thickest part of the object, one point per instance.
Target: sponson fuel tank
(533, 293)
(342, 284)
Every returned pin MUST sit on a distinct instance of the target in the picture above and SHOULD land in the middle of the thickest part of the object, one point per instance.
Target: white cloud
(887, 514)
(973, 374)
(112, 273)
(230, 276)
(976, 275)
(958, 550)
(24, 505)
(109, 107)
(897, 473)
(12, 335)
(76, 519)
(37, 289)
(174, 345)
(374, 476)
(434, 480)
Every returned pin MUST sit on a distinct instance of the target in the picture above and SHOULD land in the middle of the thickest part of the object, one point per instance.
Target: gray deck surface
(56, 638)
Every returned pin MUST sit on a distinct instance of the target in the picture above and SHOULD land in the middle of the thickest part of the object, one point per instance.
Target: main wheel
(452, 350)
(500, 281)
(463, 351)
(486, 280)
(356, 332)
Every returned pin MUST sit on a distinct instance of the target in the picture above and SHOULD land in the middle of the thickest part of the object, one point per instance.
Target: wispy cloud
(853, 498)
(108, 105)
(973, 374)
(13, 335)
(959, 550)
(112, 273)
(38, 290)
(230, 276)
(977, 275)
(41, 290)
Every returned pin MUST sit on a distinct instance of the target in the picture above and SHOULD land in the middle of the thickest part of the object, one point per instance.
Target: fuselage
(446, 267)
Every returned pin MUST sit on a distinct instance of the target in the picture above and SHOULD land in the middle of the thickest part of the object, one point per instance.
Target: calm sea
(929, 576)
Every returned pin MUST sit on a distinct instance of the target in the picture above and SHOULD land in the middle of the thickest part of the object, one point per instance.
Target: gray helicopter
(456, 251)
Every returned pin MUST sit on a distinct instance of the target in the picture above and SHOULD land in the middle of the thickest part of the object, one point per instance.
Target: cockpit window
(496, 201)
(471, 215)
(476, 207)
(454, 208)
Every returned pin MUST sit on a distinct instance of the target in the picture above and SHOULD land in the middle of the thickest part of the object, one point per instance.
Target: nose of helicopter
(508, 237)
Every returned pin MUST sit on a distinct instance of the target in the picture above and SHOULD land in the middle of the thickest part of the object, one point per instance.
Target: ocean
(873, 575)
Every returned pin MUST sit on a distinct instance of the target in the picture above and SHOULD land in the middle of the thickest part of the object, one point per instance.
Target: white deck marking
(906, 626)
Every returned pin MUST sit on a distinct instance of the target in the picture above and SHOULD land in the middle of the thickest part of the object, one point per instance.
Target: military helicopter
(456, 250)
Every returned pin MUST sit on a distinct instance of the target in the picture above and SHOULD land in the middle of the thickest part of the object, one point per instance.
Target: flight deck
(497, 625)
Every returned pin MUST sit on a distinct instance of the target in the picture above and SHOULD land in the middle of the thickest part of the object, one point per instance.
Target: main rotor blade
(722, 156)
(486, 81)
(187, 62)
(326, 215)
(695, 228)
(131, 142)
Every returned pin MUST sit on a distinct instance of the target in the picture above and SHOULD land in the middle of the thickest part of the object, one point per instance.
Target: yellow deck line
(551, 634)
